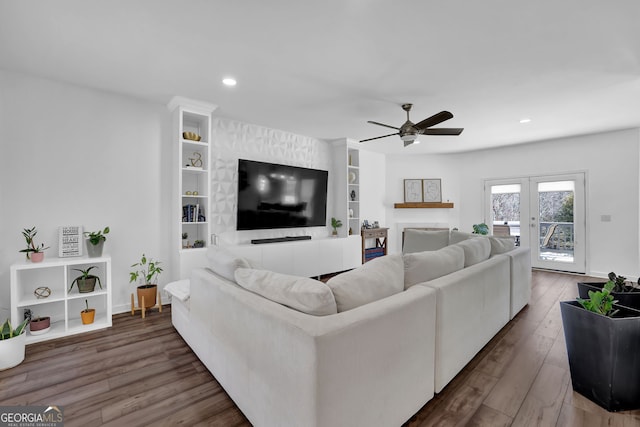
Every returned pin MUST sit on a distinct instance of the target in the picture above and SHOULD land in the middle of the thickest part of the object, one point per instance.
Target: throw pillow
(224, 263)
(424, 266)
(424, 240)
(500, 245)
(377, 279)
(299, 293)
(475, 250)
(459, 236)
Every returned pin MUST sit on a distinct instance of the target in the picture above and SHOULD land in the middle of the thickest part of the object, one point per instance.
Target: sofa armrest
(283, 367)
(472, 306)
(520, 270)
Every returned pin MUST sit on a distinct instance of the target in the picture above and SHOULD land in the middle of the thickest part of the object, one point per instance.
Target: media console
(280, 239)
(308, 258)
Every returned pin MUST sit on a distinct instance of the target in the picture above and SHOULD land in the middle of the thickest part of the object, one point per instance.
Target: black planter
(628, 299)
(604, 355)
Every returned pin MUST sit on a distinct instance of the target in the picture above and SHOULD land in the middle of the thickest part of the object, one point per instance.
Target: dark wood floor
(140, 372)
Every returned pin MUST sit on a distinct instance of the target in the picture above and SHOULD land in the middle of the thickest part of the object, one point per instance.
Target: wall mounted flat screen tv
(280, 196)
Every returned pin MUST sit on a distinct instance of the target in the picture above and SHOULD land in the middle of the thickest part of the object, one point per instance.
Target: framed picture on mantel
(432, 190)
(412, 190)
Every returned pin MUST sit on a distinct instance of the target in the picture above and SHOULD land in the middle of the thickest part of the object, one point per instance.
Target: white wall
(77, 156)
(372, 187)
(610, 160)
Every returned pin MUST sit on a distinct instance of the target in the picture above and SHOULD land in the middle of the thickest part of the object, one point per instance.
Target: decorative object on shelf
(70, 241)
(88, 315)
(39, 325)
(350, 213)
(188, 193)
(185, 242)
(349, 159)
(375, 224)
(198, 243)
(335, 223)
(412, 190)
(432, 190)
(481, 228)
(86, 282)
(196, 161)
(603, 342)
(365, 224)
(148, 270)
(195, 193)
(352, 177)
(12, 342)
(191, 136)
(95, 242)
(36, 251)
(350, 231)
(353, 195)
(42, 292)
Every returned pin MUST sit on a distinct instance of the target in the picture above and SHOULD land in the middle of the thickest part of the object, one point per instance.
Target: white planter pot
(12, 351)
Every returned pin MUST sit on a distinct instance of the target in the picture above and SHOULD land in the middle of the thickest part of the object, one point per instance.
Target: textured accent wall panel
(233, 140)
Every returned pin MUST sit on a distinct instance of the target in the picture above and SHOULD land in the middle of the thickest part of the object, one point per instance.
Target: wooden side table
(380, 248)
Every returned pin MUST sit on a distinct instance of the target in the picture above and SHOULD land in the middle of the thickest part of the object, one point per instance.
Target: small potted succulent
(12, 342)
(95, 242)
(39, 325)
(36, 251)
(185, 242)
(147, 270)
(86, 282)
(335, 223)
(88, 315)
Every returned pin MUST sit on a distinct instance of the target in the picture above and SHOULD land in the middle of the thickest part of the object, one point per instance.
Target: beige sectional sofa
(368, 348)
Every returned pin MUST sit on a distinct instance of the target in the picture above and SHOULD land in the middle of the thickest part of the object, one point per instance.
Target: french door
(545, 213)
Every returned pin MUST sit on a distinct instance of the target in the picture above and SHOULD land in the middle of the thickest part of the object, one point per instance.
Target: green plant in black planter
(603, 343)
(95, 241)
(86, 282)
(624, 292)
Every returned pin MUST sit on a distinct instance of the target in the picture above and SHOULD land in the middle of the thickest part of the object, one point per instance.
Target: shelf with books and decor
(192, 137)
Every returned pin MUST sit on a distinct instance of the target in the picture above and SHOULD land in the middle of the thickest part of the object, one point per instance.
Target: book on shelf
(193, 213)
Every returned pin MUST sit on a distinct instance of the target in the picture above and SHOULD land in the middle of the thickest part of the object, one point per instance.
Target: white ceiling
(323, 68)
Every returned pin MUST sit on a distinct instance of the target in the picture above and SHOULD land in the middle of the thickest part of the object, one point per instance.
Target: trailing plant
(335, 223)
(621, 284)
(29, 234)
(85, 275)
(147, 269)
(481, 228)
(600, 302)
(6, 332)
(96, 237)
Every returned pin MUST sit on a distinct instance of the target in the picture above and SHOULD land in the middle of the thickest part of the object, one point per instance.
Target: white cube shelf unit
(62, 306)
(191, 182)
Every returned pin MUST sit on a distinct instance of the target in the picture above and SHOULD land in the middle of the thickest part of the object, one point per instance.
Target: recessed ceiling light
(525, 120)
(228, 81)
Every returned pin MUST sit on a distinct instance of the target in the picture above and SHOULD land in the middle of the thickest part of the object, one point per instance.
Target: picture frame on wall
(432, 190)
(412, 190)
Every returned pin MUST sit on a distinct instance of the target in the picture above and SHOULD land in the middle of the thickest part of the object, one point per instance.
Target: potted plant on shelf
(198, 243)
(95, 242)
(88, 315)
(335, 223)
(12, 343)
(626, 293)
(185, 242)
(39, 325)
(147, 270)
(481, 228)
(603, 343)
(86, 282)
(36, 251)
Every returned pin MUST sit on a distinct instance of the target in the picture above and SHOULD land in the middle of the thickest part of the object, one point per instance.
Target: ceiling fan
(409, 131)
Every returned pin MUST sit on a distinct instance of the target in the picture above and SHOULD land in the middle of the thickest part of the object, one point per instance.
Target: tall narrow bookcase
(191, 183)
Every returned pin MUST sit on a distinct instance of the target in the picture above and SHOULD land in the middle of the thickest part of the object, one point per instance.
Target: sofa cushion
(300, 293)
(424, 240)
(377, 279)
(458, 236)
(224, 263)
(420, 267)
(475, 250)
(500, 245)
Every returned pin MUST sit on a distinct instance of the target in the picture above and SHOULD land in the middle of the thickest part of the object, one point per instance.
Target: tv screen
(280, 196)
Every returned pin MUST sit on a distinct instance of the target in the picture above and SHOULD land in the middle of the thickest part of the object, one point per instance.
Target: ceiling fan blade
(378, 137)
(434, 120)
(382, 124)
(442, 131)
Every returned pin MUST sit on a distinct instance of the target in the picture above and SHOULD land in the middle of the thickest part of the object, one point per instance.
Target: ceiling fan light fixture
(409, 137)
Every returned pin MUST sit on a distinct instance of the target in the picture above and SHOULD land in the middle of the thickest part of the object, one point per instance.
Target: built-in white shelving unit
(347, 186)
(62, 306)
(191, 183)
